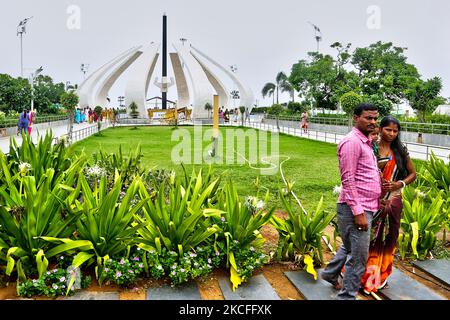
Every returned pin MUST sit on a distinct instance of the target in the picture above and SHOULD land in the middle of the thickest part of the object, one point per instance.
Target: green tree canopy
(424, 97)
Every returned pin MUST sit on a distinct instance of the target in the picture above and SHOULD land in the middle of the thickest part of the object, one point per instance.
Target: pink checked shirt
(360, 177)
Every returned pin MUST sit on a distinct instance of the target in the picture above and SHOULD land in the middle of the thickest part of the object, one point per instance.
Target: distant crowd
(225, 115)
(90, 116)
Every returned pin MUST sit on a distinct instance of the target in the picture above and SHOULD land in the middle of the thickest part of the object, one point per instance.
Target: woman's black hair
(399, 150)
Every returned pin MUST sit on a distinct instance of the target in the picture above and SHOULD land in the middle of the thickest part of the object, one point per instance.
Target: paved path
(58, 131)
(416, 150)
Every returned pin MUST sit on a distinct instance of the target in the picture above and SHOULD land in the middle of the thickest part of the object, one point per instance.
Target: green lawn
(312, 165)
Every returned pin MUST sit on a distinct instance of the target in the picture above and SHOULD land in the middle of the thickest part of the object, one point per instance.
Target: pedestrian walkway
(416, 150)
(57, 131)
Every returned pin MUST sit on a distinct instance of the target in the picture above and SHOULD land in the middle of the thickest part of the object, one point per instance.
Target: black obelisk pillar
(164, 62)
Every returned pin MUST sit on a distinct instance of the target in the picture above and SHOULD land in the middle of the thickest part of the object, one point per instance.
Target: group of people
(25, 122)
(89, 115)
(374, 167)
(225, 114)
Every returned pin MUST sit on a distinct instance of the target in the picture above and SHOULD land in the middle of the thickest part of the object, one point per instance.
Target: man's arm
(349, 153)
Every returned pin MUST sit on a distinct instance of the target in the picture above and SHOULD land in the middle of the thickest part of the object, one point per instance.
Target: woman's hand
(389, 186)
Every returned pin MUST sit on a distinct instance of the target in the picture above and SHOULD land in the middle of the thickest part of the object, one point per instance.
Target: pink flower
(122, 261)
(118, 274)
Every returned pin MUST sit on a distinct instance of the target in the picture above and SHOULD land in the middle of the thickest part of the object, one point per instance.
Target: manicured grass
(312, 165)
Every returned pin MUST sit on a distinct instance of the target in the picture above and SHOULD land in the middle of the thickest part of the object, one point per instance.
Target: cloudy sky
(259, 37)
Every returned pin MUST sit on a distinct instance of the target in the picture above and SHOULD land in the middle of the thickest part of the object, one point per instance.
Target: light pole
(120, 99)
(183, 40)
(234, 93)
(317, 34)
(32, 77)
(84, 69)
(21, 29)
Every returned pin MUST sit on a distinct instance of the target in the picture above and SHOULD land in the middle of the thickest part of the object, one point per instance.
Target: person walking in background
(304, 122)
(30, 121)
(23, 119)
(90, 115)
(397, 172)
(358, 200)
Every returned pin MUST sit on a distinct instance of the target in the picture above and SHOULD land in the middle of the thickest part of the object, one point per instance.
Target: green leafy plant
(128, 167)
(52, 284)
(105, 228)
(36, 159)
(133, 107)
(420, 222)
(179, 221)
(124, 271)
(34, 209)
(240, 228)
(301, 234)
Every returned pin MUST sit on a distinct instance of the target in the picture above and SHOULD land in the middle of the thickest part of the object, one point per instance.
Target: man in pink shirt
(358, 200)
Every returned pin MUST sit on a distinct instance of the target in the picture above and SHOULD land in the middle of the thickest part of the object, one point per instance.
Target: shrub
(349, 101)
(133, 107)
(301, 234)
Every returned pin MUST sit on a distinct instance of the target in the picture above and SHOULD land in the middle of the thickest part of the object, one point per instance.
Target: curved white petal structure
(247, 96)
(86, 89)
(220, 88)
(202, 89)
(101, 94)
(139, 79)
(180, 79)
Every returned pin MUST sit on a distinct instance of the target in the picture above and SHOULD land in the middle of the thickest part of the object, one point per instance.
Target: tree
(281, 84)
(208, 107)
(69, 100)
(423, 96)
(320, 81)
(384, 74)
(275, 110)
(349, 101)
(133, 107)
(242, 110)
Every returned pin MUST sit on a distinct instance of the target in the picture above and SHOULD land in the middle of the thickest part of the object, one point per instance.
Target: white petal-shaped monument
(196, 80)
(139, 79)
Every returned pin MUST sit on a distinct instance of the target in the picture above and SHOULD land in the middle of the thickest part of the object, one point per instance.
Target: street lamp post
(234, 93)
(21, 29)
(84, 69)
(120, 99)
(32, 77)
(317, 35)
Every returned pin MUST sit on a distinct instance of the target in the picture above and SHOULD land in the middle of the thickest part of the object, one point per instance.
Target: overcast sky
(260, 37)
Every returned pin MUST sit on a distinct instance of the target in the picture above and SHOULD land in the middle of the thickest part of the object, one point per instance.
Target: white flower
(24, 167)
(260, 205)
(337, 189)
(95, 171)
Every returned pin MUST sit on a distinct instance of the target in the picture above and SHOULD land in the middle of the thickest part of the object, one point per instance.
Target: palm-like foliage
(420, 222)
(281, 84)
(300, 234)
(40, 157)
(35, 209)
(105, 228)
(180, 221)
(241, 227)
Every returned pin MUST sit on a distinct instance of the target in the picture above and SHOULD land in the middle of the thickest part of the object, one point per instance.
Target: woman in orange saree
(397, 171)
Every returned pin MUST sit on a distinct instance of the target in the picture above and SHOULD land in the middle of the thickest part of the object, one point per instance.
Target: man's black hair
(364, 107)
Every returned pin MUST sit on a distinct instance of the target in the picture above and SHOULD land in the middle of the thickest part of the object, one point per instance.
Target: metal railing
(81, 134)
(433, 128)
(11, 123)
(416, 150)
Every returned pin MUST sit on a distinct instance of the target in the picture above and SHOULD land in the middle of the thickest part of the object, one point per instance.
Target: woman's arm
(409, 178)
(412, 172)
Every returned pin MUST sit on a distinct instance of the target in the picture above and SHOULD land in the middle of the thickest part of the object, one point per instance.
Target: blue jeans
(352, 254)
